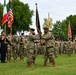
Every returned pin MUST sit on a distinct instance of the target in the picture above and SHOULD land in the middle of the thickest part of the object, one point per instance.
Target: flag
(38, 22)
(69, 31)
(5, 15)
(48, 21)
(10, 16)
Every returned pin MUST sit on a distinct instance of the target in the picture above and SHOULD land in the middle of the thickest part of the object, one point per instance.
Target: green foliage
(64, 66)
(60, 29)
(72, 19)
(22, 16)
(1, 12)
(46, 22)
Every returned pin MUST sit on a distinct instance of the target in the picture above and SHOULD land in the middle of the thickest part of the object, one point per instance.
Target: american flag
(10, 18)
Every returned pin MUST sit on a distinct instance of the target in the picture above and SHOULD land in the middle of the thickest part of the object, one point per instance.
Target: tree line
(23, 19)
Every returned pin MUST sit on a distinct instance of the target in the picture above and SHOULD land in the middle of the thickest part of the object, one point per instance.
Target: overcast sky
(58, 9)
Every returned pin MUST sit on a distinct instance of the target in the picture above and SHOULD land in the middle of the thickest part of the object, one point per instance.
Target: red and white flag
(69, 31)
(10, 15)
(5, 15)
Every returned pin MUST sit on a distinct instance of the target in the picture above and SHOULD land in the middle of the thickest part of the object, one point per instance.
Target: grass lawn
(64, 66)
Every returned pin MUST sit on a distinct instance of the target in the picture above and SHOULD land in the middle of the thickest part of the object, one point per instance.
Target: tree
(1, 12)
(72, 19)
(60, 29)
(46, 22)
(57, 29)
(22, 16)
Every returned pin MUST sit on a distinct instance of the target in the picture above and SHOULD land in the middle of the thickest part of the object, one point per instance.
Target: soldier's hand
(6, 42)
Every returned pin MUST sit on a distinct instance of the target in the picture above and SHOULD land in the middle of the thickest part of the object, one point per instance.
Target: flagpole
(9, 7)
(11, 30)
(5, 30)
(38, 22)
(5, 17)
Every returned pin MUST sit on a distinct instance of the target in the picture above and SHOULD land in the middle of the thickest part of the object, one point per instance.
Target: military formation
(30, 46)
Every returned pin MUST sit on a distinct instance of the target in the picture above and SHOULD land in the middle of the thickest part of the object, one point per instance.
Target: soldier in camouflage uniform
(9, 48)
(65, 47)
(21, 50)
(56, 49)
(75, 46)
(69, 49)
(16, 46)
(30, 48)
(60, 47)
(49, 43)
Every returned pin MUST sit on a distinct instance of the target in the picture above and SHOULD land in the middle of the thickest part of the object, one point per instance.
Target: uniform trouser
(49, 54)
(9, 51)
(21, 52)
(69, 52)
(30, 56)
(3, 53)
(3, 56)
(15, 53)
(56, 51)
(75, 50)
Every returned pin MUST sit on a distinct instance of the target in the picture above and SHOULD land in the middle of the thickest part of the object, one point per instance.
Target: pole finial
(35, 3)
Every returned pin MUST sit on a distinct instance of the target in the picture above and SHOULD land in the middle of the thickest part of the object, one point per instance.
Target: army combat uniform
(56, 49)
(49, 53)
(9, 48)
(30, 49)
(21, 49)
(16, 46)
(69, 49)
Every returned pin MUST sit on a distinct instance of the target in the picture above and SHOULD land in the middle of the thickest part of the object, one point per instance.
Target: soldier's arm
(48, 36)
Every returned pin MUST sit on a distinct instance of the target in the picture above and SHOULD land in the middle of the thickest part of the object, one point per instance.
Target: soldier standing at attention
(69, 50)
(56, 49)
(15, 46)
(21, 50)
(49, 43)
(30, 48)
(9, 51)
(75, 46)
(4, 43)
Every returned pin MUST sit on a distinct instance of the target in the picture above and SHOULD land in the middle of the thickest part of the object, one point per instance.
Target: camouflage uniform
(16, 45)
(30, 49)
(61, 47)
(49, 53)
(21, 49)
(9, 48)
(56, 49)
(69, 50)
(75, 46)
(25, 42)
(65, 47)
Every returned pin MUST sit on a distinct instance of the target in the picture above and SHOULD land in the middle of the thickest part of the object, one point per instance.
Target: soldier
(30, 48)
(15, 46)
(60, 47)
(21, 50)
(56, 49)
(9, 49)
(49, 43)
(69, 49)
(75, 46)
(65, 47)
(4, 43)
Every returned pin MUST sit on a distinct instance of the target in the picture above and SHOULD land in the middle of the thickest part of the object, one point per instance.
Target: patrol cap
(45, 27)
(32, 29)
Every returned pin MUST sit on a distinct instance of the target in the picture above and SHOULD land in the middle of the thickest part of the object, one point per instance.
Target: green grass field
(64, 66)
